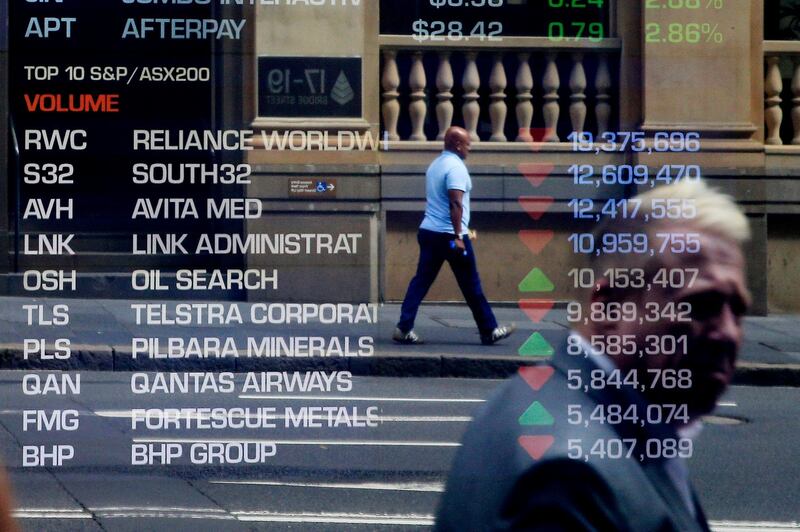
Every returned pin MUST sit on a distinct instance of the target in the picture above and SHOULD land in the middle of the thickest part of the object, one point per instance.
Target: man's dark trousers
(434, 249)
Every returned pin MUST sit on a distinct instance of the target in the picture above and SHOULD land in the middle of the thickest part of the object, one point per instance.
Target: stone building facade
(721, 78)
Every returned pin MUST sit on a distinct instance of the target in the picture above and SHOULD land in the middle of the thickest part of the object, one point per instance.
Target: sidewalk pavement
(100, 334)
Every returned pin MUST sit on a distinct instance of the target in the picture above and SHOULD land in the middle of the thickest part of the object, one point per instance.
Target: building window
(782, 20)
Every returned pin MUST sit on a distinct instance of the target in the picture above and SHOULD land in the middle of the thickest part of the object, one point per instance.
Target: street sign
(309, 87)
(312, 188)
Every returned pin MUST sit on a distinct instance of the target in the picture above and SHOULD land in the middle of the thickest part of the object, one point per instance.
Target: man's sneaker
(498, 334)
(409, 337)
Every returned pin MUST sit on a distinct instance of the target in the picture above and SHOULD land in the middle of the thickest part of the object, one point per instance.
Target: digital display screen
(399, 265)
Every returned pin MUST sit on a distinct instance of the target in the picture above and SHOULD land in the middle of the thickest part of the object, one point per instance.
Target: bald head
(456, 140)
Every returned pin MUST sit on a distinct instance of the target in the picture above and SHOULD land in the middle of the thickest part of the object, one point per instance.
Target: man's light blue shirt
(447, 172)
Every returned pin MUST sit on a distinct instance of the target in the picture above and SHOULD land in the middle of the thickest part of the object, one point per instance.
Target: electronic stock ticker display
(211, 212)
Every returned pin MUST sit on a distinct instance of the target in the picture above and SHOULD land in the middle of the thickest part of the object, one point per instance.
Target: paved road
(387, 477)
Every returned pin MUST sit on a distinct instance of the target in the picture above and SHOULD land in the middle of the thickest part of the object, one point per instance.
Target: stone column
(498, 108)
(390, 81)
(551, 110)
(418, 107)
(444, 84)
(577, 87)
(471, 110)
(524, 84)
(698, 69)
(325, 37)
(602, 84)
(703, 72)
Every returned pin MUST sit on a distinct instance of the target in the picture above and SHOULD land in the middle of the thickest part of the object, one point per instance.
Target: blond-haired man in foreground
(627, 393)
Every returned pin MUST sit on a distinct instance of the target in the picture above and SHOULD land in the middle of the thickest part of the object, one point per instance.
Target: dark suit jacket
(495, 485)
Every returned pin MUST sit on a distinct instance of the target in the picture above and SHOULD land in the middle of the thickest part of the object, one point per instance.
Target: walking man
(444, 236)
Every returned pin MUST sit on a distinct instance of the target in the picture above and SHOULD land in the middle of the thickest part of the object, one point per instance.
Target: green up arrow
(536, 281)
(536, 346)
(536, 414)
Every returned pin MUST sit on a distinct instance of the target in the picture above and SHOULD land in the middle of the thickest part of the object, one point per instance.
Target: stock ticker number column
(624, 258)
(605, 251)
(490, 20)
(636, 248)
